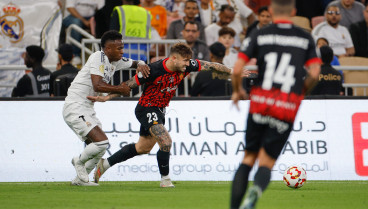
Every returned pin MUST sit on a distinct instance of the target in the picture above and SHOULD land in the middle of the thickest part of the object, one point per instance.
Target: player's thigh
(149, 116)
(254, 135)
(80, 118)
(274, 140)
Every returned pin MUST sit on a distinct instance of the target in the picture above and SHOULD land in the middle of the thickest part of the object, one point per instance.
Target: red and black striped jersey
(282, 51)
(162, 83)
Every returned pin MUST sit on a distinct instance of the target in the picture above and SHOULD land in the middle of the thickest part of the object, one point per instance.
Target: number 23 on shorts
(152, 117)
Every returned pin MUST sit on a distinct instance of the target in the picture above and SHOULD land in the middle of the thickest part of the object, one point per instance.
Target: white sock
(106, 164)
(91, 164)
(92, 150)
(165, 177)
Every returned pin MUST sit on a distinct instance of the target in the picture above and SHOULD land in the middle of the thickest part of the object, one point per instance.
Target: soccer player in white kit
(78, 111)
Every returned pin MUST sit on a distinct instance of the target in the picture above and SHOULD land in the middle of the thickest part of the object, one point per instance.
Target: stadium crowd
(341, 23)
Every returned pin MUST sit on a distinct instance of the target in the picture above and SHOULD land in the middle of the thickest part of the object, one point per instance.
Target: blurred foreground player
(282, 51)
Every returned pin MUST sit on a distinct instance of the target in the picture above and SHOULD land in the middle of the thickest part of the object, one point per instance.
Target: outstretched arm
(205, 65)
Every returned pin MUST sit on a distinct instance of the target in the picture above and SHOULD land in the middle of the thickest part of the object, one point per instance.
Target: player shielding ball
(160, 87)
(282, 51)
(78, 111)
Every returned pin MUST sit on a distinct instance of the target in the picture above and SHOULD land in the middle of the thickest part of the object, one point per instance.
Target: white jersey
(97, 64)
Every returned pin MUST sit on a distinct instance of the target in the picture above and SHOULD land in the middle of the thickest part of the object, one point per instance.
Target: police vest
(134, 21)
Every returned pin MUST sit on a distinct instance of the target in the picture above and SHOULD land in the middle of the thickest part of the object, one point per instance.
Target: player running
(282, 51)
(78, 111)
(160, 87)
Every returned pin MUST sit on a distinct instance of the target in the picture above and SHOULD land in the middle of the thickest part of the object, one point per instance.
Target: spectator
(65, 75)
(212, 83)
(337, 35)
(191, 35)
(359, 35)
(135, 25)
(175, 8)
(323, 42)
(158, 14)
(244, 16)
(103, 15)
(330, 80)
(37, 82)
(351, 11)
(207, 12)
(264, 19)
(226, 37)
(177, 26)
(79, 12)
(226, 16)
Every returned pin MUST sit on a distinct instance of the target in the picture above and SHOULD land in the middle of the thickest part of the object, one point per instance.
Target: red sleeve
(199, 65)
(136, 79)
(243, 56)
(314, 60)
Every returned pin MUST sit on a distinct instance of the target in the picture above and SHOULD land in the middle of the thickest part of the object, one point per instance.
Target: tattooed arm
(131, 83)
(220, 68)
(215, 66)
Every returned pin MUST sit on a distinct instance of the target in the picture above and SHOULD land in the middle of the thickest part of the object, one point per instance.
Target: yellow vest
(135, 21)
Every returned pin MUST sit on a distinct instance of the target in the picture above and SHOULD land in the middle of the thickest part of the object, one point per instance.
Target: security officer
(37, 82)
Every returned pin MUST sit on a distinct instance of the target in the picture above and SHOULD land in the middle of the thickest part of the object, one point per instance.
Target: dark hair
(192, 1)
(226, 30)
(323, 38)
(282, 7)
(218, 50)
(326, 54)
(66, 52)
(226, 7)
(192, 23)
(182, 49)
(262, 9)
(110, 35)
(35, 52)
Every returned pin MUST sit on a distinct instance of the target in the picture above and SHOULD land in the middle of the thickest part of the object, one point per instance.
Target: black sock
(163, 159)
(262, 177)
(125, 153)
(240, 184)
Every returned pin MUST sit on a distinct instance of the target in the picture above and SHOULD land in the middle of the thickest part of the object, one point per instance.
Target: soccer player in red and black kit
(282, 51)
(160, 86)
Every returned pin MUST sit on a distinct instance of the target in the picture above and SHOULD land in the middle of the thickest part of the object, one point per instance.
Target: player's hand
(245, 73)
(124, 89)
(142, 70)
(239, 95)
(99, 98)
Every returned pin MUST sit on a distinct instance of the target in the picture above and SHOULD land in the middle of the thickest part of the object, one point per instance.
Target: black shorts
(149, 116)
(266, 132)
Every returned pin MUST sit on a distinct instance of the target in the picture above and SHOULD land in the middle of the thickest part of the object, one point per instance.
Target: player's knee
(166, 147)
(102, 145)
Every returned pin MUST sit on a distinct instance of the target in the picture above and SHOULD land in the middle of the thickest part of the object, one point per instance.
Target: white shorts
(80, 118)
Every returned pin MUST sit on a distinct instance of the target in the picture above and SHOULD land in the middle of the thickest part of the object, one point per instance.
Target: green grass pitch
(186, 195)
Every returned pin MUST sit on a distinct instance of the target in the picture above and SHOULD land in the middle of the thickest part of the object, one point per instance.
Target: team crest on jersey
(12, 25)
(102, 68)
(181, 76)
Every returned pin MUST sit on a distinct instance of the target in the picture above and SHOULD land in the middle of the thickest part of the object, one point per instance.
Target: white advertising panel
(329, 140)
